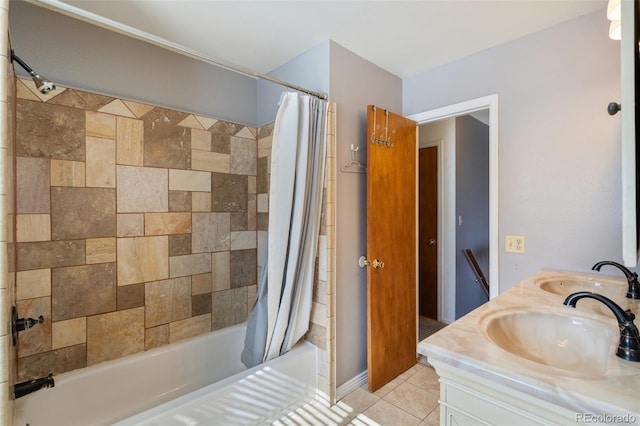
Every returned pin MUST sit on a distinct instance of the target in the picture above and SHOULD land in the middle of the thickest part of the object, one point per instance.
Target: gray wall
(79, 55)
(472, 203)
(559, 151)
(309, 70)
(355, 83)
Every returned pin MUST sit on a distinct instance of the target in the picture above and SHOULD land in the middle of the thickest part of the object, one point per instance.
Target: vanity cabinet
(468, 399)
(513, 381)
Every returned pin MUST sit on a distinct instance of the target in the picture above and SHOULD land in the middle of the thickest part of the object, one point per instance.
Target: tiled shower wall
(323, 313)
(7, 214)
(138, 226)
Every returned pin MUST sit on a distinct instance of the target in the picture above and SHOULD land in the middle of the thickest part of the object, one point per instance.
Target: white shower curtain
(281, 314)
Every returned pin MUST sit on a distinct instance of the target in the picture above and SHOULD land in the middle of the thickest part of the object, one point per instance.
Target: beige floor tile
(385, 413)
(409, 399)
(412, 399)
(433, 419)
(359, 400)
(346, 413)
(427, 379)
(388, 387)
(410, 372)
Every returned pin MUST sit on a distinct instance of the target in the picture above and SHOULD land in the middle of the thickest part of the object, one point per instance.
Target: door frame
(446, 231)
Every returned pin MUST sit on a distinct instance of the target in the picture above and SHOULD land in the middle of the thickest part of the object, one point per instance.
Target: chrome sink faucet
(629, 345)
(634, 287)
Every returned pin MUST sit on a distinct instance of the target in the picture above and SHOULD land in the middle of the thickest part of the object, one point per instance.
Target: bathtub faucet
(25, 388)
(634, 287)
(629, 344)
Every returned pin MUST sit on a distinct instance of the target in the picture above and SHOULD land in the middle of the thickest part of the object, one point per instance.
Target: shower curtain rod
(109, 24)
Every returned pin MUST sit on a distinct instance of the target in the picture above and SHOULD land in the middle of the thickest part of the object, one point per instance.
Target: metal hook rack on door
(383, 138)
(348, 168)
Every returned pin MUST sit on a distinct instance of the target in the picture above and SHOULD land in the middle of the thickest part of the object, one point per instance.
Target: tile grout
(402, 379)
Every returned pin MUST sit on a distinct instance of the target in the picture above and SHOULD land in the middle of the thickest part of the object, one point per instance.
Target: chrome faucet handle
(633, 292)
(629, 344)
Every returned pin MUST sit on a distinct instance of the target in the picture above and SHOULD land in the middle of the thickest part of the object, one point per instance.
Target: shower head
(44, 86)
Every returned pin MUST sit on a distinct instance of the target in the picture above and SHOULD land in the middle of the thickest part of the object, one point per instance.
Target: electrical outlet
(514, 243)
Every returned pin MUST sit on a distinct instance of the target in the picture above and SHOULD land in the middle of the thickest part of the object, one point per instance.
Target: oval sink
(566, 286)
(579, 346)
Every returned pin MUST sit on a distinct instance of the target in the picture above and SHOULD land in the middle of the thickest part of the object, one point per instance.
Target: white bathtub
(186, 382)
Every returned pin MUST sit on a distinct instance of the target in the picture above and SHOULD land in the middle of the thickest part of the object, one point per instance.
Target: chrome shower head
(44, 86)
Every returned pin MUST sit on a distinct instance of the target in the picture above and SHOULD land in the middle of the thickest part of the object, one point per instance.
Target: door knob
(613, 108)
(363, 262)
(377, 264)
(432, 242)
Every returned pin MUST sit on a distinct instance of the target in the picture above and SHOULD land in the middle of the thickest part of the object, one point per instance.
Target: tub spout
(25, 388)
(26, 323)
(629, 344)
(632, 278)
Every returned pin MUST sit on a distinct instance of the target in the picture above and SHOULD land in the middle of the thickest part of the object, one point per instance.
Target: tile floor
(409, 399)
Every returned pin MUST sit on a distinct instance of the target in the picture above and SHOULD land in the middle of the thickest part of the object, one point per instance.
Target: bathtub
(179, 384)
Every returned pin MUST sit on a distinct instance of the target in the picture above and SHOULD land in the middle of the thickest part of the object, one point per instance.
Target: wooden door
(428, 232)
(391, 239)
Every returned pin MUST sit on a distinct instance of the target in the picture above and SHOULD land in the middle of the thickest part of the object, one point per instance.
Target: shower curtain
(281, 313)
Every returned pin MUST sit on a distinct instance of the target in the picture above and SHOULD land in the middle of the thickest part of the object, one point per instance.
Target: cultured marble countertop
(462, 344)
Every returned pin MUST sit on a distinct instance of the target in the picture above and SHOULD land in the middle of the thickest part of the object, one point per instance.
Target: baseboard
(448, 320)
(351, 385)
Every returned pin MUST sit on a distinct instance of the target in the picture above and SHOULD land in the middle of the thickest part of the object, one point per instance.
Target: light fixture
(615, 31)
(614, 10)
(43, 85)
(614, 14)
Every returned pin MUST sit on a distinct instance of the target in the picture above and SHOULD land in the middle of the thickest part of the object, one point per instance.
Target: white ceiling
(403, 37)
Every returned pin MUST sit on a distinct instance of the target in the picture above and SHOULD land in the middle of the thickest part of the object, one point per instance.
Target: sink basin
(564, 286)
(578, 346)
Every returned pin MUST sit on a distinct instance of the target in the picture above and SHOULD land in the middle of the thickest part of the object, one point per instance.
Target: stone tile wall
(322, 327)
(136, 226)
(7, 219)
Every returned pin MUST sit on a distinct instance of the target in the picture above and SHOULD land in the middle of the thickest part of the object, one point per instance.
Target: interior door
(428, 232)
(391, 245)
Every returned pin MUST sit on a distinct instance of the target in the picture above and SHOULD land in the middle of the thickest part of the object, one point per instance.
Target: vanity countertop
(463, 345)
